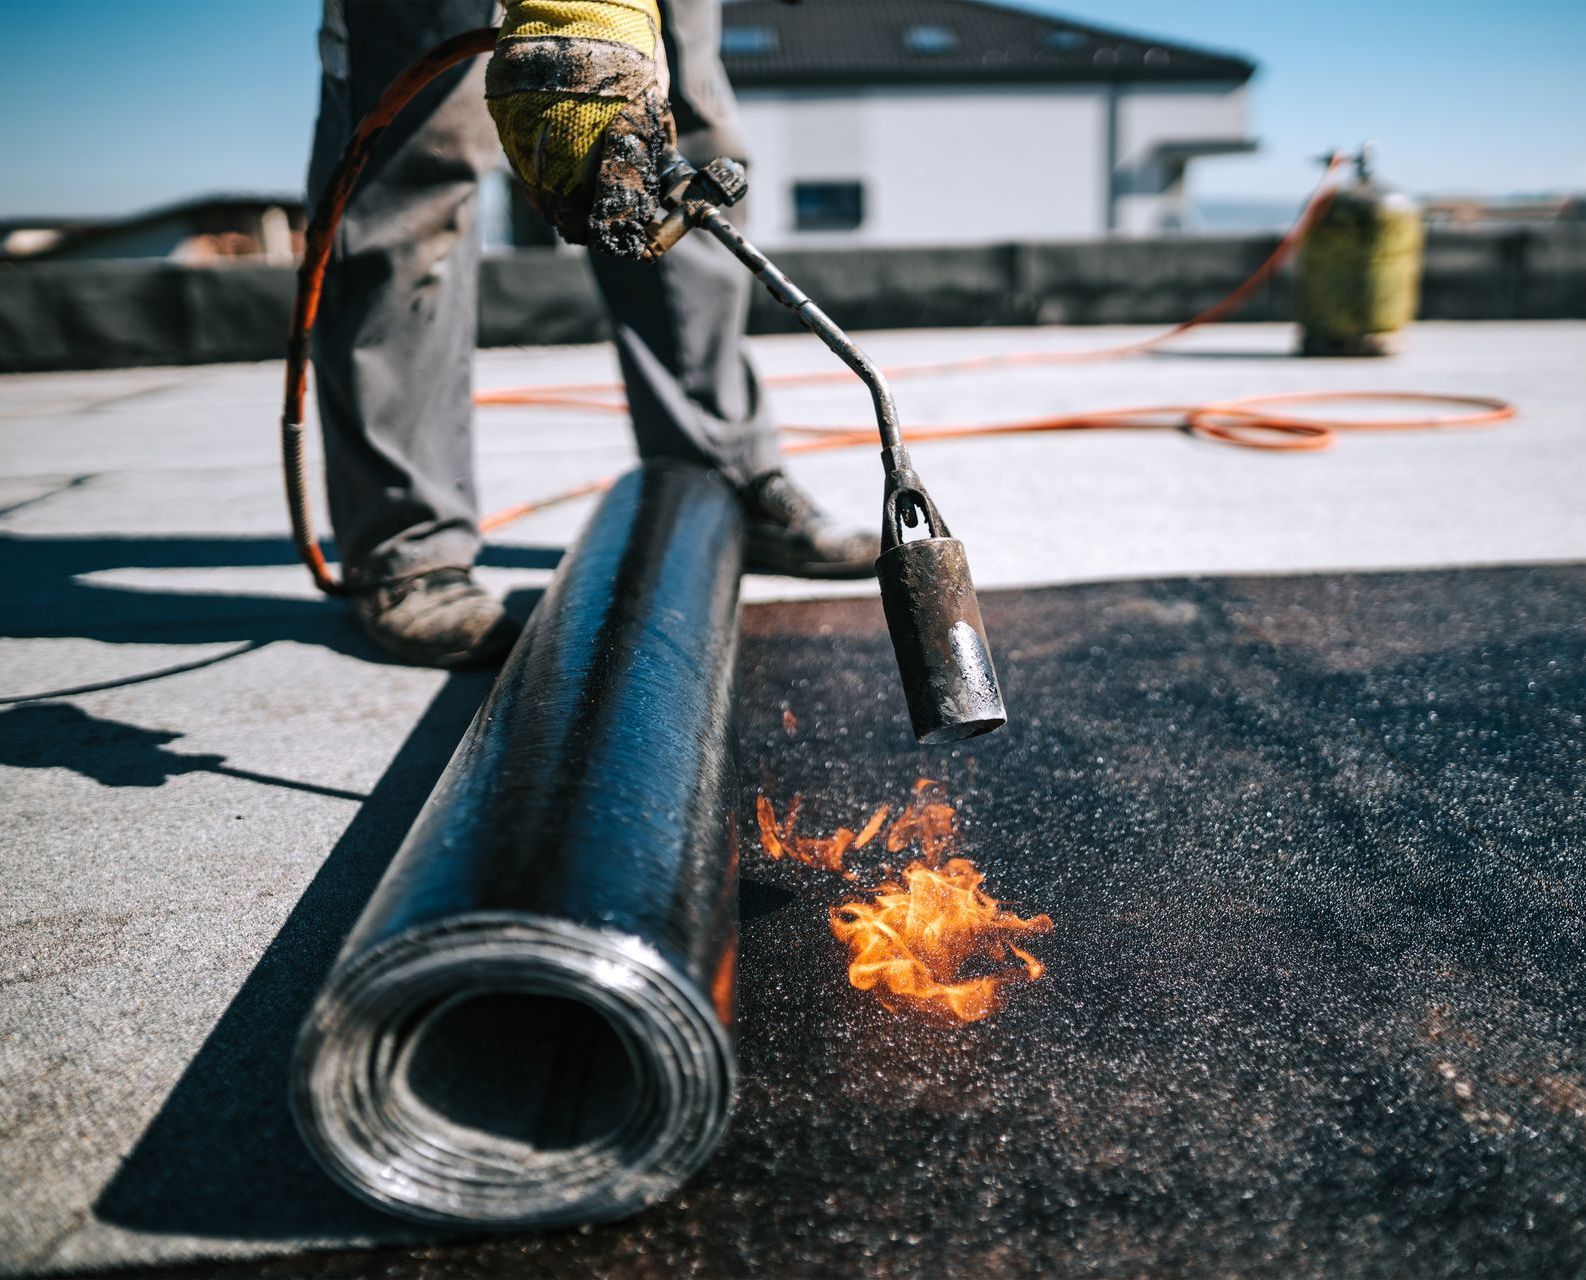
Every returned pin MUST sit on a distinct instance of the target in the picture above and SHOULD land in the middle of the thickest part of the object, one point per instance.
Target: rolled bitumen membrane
(530, 1024)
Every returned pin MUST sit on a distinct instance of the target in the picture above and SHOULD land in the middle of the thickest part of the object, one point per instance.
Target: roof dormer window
(930, 39)
(1064, 40)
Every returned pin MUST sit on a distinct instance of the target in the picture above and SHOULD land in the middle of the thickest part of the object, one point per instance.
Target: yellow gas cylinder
(1358, 281)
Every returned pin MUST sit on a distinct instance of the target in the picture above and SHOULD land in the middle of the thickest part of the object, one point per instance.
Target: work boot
(438, 618)
(789, 534)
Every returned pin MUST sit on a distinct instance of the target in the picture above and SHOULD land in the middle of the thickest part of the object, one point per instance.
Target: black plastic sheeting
(530, 1023)
(1313, 1008)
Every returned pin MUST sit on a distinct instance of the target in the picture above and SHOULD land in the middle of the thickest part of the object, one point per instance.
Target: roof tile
(822, 42)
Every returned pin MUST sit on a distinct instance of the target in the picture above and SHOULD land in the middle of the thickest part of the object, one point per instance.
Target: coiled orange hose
(317, 242)
(1246, 422)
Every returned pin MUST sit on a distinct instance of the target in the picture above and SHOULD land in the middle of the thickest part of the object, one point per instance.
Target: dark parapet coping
(116, 314)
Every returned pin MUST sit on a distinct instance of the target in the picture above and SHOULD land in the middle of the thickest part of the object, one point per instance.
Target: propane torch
(926, 591)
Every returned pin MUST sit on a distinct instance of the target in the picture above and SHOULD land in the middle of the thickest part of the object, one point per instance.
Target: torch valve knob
(723, 181)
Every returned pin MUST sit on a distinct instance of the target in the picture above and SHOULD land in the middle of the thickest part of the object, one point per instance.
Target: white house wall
(977, 164)
(1149, 115)
(939, 166)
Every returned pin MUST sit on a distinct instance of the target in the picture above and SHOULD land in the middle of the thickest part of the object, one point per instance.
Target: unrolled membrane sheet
(530, 1024)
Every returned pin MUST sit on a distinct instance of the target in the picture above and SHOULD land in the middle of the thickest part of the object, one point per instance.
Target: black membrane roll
(530, 1024)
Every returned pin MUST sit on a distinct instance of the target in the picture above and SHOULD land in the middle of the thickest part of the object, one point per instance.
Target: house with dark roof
(964, 121)
(204, 229)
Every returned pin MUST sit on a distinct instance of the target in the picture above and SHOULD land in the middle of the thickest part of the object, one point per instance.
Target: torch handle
(926, 591)
(894, 453)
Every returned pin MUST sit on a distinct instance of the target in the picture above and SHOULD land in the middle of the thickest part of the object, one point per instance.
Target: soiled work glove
(578, 91)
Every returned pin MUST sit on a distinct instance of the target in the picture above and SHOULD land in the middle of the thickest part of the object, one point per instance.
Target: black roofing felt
(826, 42)
(1312, 1008)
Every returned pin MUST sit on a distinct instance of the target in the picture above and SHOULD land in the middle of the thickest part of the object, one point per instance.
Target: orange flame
(872, 829)
(914, 940)
(927, 822)
(780, 841)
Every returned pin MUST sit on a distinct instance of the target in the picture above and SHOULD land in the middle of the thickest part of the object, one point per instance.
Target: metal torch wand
(929, 597)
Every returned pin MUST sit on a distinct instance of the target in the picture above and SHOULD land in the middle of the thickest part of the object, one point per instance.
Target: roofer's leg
(394, 343)
(679, 331)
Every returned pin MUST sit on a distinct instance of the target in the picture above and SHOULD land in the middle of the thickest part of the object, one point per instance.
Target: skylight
(748, 40)
(925, 39)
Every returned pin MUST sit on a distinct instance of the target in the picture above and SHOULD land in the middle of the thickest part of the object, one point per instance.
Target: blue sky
(113, 105)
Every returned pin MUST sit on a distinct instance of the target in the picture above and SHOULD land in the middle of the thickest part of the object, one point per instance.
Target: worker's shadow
(56, 592)
(55, 589)
(60, 735)
(221, 1158)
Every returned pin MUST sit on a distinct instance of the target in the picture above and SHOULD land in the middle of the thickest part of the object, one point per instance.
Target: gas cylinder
(1358, 281)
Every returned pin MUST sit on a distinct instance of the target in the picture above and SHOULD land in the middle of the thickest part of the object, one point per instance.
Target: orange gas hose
(597, 395)
(1243, 422)
(317, 242)
(1246, 422)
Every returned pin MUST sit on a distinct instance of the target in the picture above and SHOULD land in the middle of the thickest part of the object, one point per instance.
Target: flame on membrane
(929, 939)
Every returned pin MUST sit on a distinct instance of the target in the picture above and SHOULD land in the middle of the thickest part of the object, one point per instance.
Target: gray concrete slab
(180, 851)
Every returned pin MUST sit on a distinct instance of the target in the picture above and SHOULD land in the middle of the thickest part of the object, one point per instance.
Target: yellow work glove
(578, 89)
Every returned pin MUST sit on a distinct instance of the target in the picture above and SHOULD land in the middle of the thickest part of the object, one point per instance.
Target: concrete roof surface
(182, 855)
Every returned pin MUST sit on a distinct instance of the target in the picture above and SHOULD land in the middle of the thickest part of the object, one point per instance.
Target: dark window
(930, 40)
(1065, 39)
(748, 40)
(828, 206)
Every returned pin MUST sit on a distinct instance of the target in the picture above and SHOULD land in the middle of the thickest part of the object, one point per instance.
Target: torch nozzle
(932, 613)
(934, 619)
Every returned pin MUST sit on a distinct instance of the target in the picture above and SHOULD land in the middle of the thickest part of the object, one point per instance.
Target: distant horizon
(1464, 98)
(1287, 206)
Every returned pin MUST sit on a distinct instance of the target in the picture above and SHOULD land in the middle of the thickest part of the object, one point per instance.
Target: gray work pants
(394, 343)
